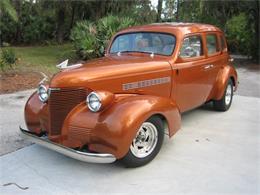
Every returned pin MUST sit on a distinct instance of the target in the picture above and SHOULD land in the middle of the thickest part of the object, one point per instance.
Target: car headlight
(98, 100)
(94, 102)
(43, 93)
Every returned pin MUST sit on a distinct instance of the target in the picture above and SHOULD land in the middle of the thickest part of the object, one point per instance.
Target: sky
(154, 3)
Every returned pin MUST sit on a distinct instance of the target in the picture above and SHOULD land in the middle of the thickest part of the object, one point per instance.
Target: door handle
(208, 66)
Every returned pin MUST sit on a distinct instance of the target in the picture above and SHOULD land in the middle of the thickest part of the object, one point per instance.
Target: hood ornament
(64, 65)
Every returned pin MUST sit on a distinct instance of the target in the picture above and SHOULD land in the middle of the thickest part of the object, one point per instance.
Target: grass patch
(42, 58)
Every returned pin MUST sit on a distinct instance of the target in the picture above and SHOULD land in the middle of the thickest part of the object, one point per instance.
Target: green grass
(43, 58)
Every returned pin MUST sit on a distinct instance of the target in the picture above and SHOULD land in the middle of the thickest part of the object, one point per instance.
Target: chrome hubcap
(145, 140)
(228, 94)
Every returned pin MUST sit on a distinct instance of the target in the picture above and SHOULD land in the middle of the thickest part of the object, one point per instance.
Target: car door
(191, 80)
(214, 57)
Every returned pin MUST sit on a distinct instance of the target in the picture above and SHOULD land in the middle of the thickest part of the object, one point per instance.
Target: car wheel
(146, 144)
(225, 102)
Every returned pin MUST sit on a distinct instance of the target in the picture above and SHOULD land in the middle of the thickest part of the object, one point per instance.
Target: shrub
(8, 58)
(83, 36)
(90, 39)
(239, 34)
(109, 25)
(2, 64)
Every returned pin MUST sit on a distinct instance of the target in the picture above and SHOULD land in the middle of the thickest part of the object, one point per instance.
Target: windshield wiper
(128, 51)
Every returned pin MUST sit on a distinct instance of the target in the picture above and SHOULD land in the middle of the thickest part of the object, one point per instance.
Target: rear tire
(146, 144)
(225, 102)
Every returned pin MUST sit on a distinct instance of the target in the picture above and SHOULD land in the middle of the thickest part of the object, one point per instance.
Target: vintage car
(120, 106)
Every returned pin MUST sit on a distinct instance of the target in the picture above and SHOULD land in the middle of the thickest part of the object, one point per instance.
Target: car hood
(108, 73)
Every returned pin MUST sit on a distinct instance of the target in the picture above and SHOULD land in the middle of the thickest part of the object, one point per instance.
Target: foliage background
(89, 24)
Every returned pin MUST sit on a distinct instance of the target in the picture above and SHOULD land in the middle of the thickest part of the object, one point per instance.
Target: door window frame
(222, 37)
(196, 57)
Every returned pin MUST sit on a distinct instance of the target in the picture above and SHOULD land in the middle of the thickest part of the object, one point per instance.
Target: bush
(239, 34)
(83, 36)
(109, 25)
(8, 58)
(90, 39)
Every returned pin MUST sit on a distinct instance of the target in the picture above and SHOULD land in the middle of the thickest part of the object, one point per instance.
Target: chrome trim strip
(78, 155)
(146, 83)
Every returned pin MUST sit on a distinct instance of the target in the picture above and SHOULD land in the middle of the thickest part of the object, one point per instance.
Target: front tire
(146, 144)
(225, 102)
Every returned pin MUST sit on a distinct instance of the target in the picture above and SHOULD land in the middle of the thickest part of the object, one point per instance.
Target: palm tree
(7, 7)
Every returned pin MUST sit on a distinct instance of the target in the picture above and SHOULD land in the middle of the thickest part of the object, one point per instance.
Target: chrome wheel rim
(228, 95)
(145, 140)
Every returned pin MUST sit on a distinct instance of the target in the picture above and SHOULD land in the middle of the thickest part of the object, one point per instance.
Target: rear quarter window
(212, 44)
(223, 43)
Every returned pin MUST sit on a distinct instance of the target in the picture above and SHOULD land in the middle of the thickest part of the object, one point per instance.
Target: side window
(212, 43)
(191, 47)
(223, 43)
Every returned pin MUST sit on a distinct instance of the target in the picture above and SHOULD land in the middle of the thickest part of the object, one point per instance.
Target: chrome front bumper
(78, 155)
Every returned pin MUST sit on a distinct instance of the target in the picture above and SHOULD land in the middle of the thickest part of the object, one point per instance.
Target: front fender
(36, 114)
(113, 129)
(223, 76)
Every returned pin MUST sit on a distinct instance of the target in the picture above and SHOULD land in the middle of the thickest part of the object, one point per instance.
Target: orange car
(121, 105)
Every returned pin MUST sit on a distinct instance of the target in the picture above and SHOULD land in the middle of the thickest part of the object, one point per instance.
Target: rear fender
(223, 76)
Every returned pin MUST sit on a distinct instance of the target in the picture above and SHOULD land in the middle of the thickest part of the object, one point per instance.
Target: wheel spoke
(145, 140)
(228, 95)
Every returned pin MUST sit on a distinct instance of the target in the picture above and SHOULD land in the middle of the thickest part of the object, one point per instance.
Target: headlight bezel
(42, 89)
(98, 100)
(105, 99)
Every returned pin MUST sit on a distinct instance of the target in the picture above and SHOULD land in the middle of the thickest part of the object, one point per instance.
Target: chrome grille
(61, 102)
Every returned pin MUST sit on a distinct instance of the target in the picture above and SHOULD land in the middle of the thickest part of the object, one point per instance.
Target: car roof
(173, 27)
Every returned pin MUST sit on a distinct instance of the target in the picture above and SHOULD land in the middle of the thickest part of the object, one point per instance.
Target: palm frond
(7, 7)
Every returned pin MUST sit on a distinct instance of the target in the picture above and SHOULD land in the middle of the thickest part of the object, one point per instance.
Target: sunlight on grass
(43, 58)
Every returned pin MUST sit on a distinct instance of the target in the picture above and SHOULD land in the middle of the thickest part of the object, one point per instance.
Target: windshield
(145, 42)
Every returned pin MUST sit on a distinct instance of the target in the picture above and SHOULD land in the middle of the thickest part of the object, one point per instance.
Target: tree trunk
(60, 25)
(159, 11)
(18, 25)
(98, 8)
(257, 30)
(177, 11)
(74, 5)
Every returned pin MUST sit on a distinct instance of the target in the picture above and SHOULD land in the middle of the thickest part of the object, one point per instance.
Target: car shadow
(205, 107)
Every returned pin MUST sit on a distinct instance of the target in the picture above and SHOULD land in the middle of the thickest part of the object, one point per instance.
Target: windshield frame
(134, 32)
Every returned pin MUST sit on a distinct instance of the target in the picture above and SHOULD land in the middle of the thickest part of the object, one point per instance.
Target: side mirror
(179, 59)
